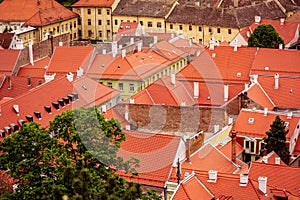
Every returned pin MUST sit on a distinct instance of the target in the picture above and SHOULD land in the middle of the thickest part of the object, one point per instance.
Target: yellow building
(95, 18)
(38, 20)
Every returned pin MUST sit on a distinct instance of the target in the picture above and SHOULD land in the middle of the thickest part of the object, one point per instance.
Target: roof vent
(75, 95)
(29, 118)
(7, 130)
(71, 97)
(213, 55)
(212, 176)
(250, 120)
(55, 105)
(239, 74)
(257, 19)
(289, 115)
(244, 179)
(2, 133)
(38, 114)
(131, 101)
(277, 160)
(21, 122)
(266, 68)
(16, 109)
(14, 127)
(265, 159)
(286, 124)
(282, 21)
(48, 109)
(61, 102)
(186, 174)
(66, 100)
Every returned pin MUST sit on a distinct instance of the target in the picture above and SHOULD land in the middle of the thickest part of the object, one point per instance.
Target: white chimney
(211, 44)
(230, 120)
(49, 77)
(16, 108)
(103, 108)
(265, 111)
(257, 19)
(131, 41)
(276, 77)
(79, 72)
(114, 48)
(244, 179)
(196, 89)
(172, 35)
(127, 127)
(139, 45)
(212, 176)
(280, 46)
(131, 101)
(60, 44)
(226, 91)
(70, 76)
(248, 33)
(282, 21)
(246, 86)
(262, 184)
(30, 52)
(173, 79)
(254, 78)
(103, 51)
(277, 160)
(126, 115)
(155, 38)
(216, 128)
(265, 159)
(123, 53)
(289, 115)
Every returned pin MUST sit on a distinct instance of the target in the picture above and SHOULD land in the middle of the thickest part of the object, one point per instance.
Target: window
(116, 22)
(62, 28)
(200, 28)
(100, 33)
(71, 36)
(34, 33)
(99, 11)
(246, 144)
(66, 27)
(158, 25)
(209, 30)
(74, 36)
(180, 27)
(229, 31)
(79, 33)
(71, 26)
(109, 85)
(89, 11)
(79, 22)
(218, 30)
(190, 27)
(108, 12)
(171, 26)
(252, 147)
(121, 86)
(89, 22)
(58, 29)
(75, 23)
(99, 22)
(131, 87)
(141, 23)
(200, 41)
(149, 24)
(89, 33)
(108, 22)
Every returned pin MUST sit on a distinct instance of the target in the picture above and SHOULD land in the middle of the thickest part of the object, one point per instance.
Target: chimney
(244, 179)
(55, 105)
(235, 47)
(60, 44)
(276, 77)
(277, 160)
(30, 52)
(257, 19)
(226, 92)
(28, 80)
(70, 76)
(173, 79)
(131, 101)
(212, 176)
(265, 159)
(103, 51)
(254, 78)
(103, 108)
(123, 53)
(49, 78)
(127, 127)
(262, 184)
(233, 146)
(114, 48)
(248, 33)
(139, 45)
(196, 89)
(48, 109)
(38, 114)
(289, 115)
(280, 46)
(246, 86)
(16, 108)
(265, 111)
(126, 116)
(211, 44)
(155, 38)
(282, 21)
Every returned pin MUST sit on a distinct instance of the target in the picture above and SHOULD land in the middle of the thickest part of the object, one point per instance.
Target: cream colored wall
(94, 17)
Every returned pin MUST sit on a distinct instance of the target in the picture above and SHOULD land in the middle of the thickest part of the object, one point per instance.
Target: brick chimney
(233, 146)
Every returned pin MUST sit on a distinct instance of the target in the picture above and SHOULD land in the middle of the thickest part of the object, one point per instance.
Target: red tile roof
(258, 95)
(155, 160)
(37, 70)
(287, 31)
(69, 58)
(113, 113)
(279, 177)
(8, 60)
(270, 159)
(35, 14)
(93, 3)
(127, 28)
(285, 62)
(258, 129)
(226, 149)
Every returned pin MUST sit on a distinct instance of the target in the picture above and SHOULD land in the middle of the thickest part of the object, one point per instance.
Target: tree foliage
(265, 36)
(76, 158)
(276, 140)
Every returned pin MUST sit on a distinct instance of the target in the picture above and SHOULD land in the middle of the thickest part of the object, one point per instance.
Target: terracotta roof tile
(37, 70)
(113, 113)
(8, 60)
(127, 28)
(258, 129)
(258, 95)
(226, 148)
(270, 158)
(93, 3)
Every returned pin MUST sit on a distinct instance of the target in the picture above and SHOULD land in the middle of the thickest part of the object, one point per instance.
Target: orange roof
(35, 14)
(287, 31)
(113, 113)
(162, 91)
(285, 62)
(279, 176)
(69, 58)
(8, 60)
(258, 129)
(155, 160)
(209, 158)
(226, 148)
(93, 3)
(270, 158)
(286, 94)
(188, 47)
(37, 70)
(258, 95)
(127, 28)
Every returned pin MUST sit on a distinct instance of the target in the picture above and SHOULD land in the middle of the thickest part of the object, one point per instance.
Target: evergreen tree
(276, 140)
(265, 36)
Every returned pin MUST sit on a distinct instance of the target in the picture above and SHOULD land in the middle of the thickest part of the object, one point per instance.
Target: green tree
(76, 158)
(276, 140)
(265, 36)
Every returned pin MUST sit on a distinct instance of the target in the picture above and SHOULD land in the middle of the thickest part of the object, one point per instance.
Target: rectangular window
(108, 12)
(131, 87)
(218, 30)
(200, 41)
(108, 33)
(58, 29)
(109, 85)
(116, 22)
(209, 30)
(99, 22)
(180, 27)
(158, 25)
(33, 34)
(121, 86)
(79, 21)
(89, 11)
(200, 28)
(66, 27)
(190, 27)
(171, 26)
(141, 23)
(90, 33)
(89, 22)
(74, 36)
(108, 22)
(79, 33)
(99, 11)
(252, 147)
(149, 24)
(246, 144)
(71, 26)
(62, 28)
(100, 33)
(75, 23)
(229, 31)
